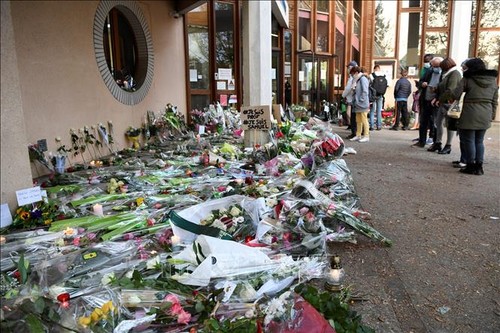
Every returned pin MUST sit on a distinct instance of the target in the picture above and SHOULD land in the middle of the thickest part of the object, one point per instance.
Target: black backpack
(372, 94)
(380, 84)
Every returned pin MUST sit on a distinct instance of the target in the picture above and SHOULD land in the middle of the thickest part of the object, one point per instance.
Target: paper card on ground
(29, 195)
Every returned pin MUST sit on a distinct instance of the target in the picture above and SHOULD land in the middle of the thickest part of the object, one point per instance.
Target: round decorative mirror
(123, 50)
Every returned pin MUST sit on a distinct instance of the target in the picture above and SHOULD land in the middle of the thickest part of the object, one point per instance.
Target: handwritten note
(256, 117)
(28, 196)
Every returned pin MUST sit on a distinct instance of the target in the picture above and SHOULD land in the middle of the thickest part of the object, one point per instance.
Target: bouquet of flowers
(232, 220)
(198, 117)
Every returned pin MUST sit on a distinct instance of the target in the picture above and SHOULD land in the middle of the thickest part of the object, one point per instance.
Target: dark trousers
(354, 127)
(472, 143)
(402, 114)
(426, 122)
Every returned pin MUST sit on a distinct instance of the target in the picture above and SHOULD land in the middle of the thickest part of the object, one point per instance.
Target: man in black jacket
(402, 90)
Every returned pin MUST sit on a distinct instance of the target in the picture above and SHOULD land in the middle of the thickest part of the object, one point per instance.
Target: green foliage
(334, 309)
(241, 325)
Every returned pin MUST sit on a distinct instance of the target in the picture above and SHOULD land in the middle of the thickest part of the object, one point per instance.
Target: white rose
(107, 278)
(223, 210)
(152, 263)
(134, 299)
(219, 224)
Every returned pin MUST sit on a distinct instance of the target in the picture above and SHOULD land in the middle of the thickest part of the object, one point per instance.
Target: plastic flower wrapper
(73, 268)
(211, 257)
(98, 311)
(340, 213)
(334, 179)
(187, 223)
(291, 313)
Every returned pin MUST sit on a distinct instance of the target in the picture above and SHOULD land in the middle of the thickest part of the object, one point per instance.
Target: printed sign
(256, 117)
(28, 196)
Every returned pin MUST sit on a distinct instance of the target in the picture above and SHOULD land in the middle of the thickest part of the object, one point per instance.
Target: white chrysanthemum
(129, 274)
(107, 278)
(271, 202)
(235, 211)
(134, 299)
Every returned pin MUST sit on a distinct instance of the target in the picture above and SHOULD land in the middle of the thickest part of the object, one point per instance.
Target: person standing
(379, 82)
(450, 78)
(361, 104)
(348, 95)
(428, 84)
(478, 110)
(402, 91)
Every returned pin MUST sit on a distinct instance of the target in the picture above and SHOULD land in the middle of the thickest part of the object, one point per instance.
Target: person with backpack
(402, 91)
(379, 83)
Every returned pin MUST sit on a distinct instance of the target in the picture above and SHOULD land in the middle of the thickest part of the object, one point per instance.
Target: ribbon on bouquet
(197, 229)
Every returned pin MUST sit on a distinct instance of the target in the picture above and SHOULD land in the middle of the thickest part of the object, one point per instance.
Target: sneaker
(356, 138)
(459, 165)
(371, 128)
(364, 139)
(405, 128)
(429, 141)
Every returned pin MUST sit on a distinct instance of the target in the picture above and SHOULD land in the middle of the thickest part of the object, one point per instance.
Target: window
(410, 33)
(385, 29)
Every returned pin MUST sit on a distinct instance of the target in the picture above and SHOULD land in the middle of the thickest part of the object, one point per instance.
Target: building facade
(71, 64)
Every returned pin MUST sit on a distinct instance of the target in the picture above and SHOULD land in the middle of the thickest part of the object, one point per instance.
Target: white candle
(98, 210)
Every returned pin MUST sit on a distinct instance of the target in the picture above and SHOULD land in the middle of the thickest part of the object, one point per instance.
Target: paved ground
(443, 272)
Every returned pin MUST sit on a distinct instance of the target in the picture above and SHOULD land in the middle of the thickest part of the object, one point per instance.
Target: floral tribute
(193, 232)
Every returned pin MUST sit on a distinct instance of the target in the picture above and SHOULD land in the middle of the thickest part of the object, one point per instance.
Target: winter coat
(402, 89)
(361, 101)
(348, 93)
(480, 100)
(449, 83)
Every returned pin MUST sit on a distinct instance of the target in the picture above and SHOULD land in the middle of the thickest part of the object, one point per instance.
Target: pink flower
(171, 298)
(128, 236)
(309, 217)
(151, 222)
(303, 210)
(176, 309)
(91, 236)
(76, 241)
(184, 317)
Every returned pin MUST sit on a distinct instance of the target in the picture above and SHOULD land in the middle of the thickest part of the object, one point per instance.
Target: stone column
(460, 30)
(256, 60)
(16, 171)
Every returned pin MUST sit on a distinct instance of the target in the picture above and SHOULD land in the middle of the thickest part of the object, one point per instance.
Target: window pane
(199, 101)
(305, 4)
(224, 42)
(488, 48)
(323, 6)
(304, 30)
(437, 15)
(357, 26)
(340, 28)
(385, 29)
(197, 21)
(323, 32)
(409, 40)
(411, 3)
(288, 45)
(473, 14)
(490, 14)
(472, 42)
(275, 30)
(436, 43)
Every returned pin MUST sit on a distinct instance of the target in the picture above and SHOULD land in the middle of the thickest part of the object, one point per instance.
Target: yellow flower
(108, 307)
(139, 201)
(84, 321)
(19, 210)
(25, 216)
(48, 222)
(96, 315)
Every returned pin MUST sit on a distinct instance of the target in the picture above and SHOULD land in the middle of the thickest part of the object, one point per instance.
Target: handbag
(454, 111)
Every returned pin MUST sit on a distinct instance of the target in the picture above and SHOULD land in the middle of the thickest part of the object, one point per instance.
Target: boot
(435, 147)
(469, 169)
(479, 169)
(445, 150)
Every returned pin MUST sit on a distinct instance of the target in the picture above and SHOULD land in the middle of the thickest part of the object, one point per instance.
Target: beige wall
(61, 86)
(15, 173)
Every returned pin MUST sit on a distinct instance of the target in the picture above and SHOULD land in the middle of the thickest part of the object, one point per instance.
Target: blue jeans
(471, 141)
(376, 104)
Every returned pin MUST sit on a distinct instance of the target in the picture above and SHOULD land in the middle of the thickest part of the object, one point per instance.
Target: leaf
(39, 305)
(35, 325)
(22, 269)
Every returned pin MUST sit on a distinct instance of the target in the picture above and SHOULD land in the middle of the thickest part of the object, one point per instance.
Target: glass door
(314, 82)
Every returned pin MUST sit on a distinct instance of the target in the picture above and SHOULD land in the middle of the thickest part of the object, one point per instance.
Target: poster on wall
(221, 85)
(230, 85)
(256, 117)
